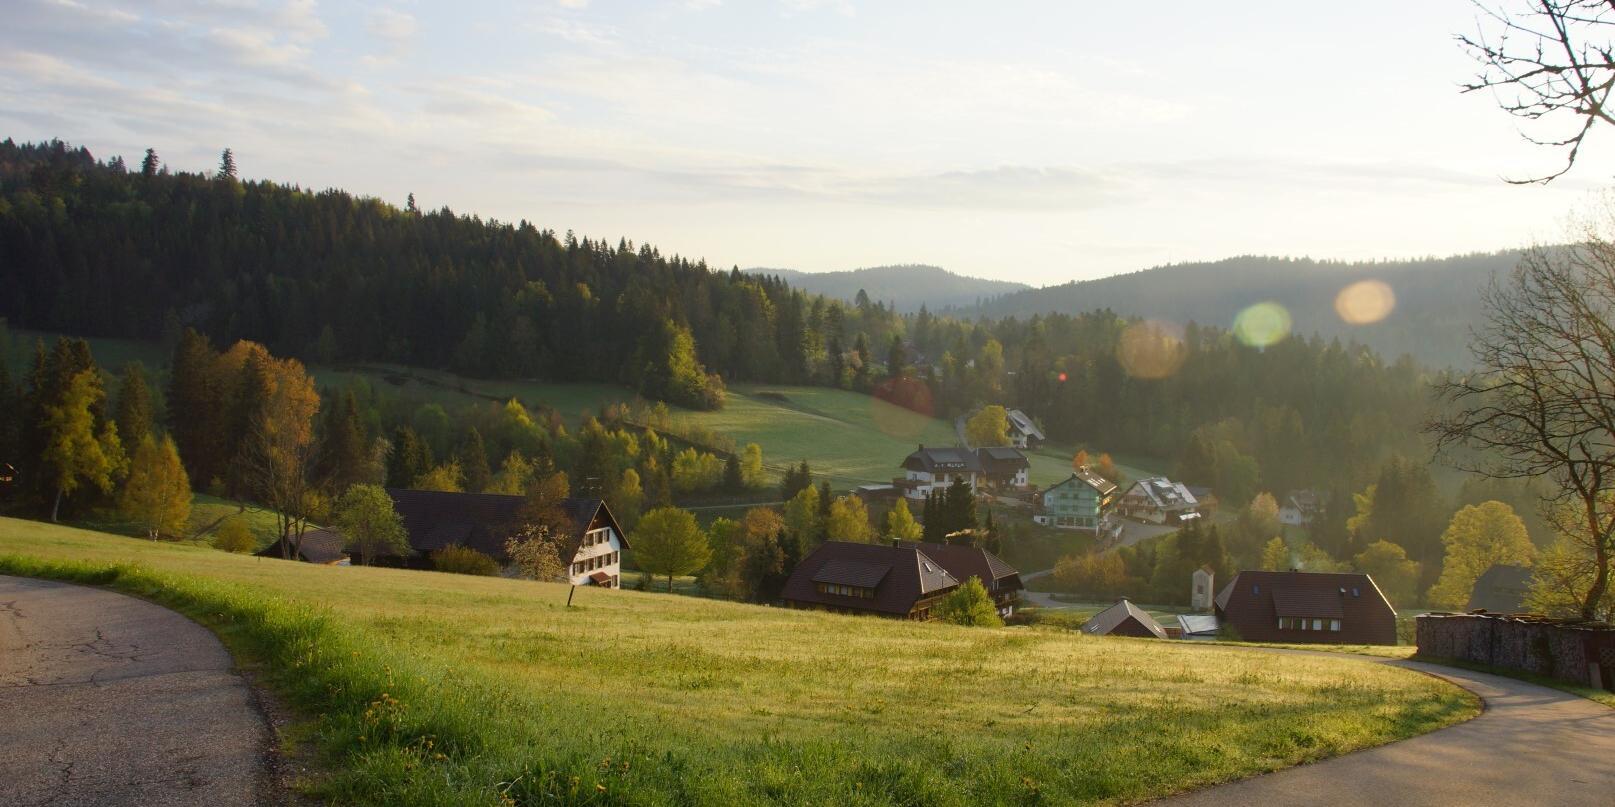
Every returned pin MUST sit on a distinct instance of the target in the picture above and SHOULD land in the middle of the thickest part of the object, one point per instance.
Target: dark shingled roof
(965, 562)
(1501, 590)
(1123, 619)
(1307, 601)
(948, 460)
(482, 521)
(852, 573)
(913, 576)
(318, 546)
(1004, 460)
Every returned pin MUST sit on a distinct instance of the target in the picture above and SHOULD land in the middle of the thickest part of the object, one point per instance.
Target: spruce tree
(134, 405)
(474, 461)
(732, 481)
(227, 165)
(149, 165)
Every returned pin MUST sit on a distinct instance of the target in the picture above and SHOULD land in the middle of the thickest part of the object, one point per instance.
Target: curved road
(111, 700)
(1531, 746)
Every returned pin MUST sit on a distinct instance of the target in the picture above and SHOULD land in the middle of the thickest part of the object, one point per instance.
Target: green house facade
(1077, 503)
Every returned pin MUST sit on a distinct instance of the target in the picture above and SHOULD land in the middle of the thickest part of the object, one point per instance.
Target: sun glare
(1262, 324)
(1365, 302)
(1151, 349)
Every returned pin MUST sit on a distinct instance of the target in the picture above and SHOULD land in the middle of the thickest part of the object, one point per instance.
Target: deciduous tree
(668, 542)
(76, 452)
(969, 604)
(849, 521)
(1396, 576)
(989, 427)
(157, 494)
(1479, 537)
(900, 523)
(366, 519)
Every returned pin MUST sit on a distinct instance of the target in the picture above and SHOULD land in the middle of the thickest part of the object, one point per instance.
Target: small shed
(319, 546)
(1501, 590)
(1124, 619)
(1198, 626)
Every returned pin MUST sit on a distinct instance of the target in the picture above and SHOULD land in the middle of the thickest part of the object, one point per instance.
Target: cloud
(391, 26)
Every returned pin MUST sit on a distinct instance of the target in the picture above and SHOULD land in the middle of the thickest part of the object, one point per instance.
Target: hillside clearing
(442, 689)
(851, 438)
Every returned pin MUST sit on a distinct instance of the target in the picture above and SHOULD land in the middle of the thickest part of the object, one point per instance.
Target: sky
(1032, 141)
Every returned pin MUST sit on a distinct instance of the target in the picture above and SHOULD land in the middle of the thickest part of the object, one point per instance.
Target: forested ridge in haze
(1437, 299)
(101, 249)
(905, 287)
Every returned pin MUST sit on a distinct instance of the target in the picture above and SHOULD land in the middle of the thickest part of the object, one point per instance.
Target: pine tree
(407, 460)
(150, 164)
(193, 406)
(732, 480)
(134, 405)
(474, 462)
(344, 452)
(227, 165)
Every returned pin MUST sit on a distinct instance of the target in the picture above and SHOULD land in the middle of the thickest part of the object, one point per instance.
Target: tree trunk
(56, 506)
(670, 582)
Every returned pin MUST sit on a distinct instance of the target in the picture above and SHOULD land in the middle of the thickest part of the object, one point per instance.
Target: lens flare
(1151, 349)
(1262, 324)
(1365, 302)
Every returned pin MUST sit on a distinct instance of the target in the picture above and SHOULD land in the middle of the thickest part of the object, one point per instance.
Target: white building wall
(602, 554)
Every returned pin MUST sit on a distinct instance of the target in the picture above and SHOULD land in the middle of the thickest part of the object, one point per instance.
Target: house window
(1334, 625)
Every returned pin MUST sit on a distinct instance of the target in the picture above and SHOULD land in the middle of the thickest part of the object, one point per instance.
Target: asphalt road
(111, 700)
(1531, 746)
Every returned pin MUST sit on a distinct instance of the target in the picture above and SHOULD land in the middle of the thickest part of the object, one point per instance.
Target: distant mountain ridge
(907, 285)
(1437, 299)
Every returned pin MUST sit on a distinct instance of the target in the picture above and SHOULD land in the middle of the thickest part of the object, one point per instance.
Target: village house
(591, 549)
(1023, 432)
(1124, 619)
(319, 546)
(1003, 467)
(1311, 607)
(1198, 627)
(904, 579)
(1077, 503)
(1159, 500)
(932, 470)
(1300, 508)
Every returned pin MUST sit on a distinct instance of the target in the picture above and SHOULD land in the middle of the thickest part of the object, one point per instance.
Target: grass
(441, 689)
(1603, 696)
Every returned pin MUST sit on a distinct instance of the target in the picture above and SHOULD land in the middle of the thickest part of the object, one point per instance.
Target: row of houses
(434, 520)
(1291, 607)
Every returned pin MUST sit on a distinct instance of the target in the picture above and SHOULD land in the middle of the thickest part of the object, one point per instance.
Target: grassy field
(440, 689)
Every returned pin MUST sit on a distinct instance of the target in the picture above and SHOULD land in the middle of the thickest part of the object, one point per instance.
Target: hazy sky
(1038, 142)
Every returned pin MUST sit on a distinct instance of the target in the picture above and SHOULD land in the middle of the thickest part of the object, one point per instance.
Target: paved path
(1531, 746)
(111, 700)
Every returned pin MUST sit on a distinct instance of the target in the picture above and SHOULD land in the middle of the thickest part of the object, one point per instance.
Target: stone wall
(1572, 652)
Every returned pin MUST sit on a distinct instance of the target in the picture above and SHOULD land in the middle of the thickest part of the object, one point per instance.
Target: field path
(1531, 746)
(111, 700)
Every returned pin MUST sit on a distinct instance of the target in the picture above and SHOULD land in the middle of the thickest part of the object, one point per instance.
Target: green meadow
(426, 688)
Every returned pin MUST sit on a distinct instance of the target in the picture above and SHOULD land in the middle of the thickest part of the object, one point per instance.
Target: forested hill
(1436, 299)
(906, 287)
(101, 248)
